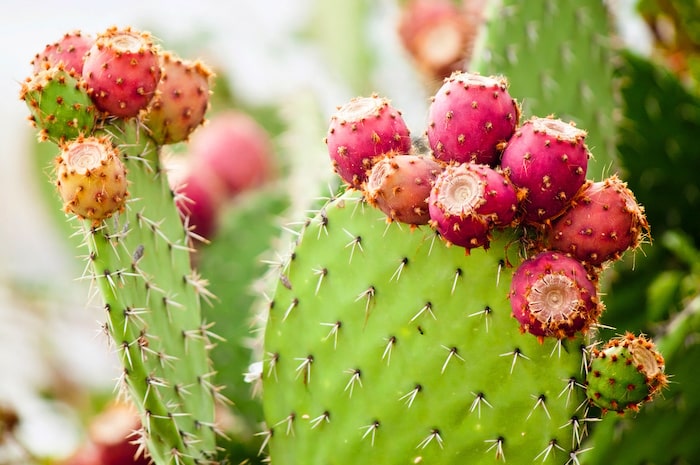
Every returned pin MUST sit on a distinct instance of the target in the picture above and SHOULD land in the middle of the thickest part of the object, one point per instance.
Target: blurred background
(287, 63)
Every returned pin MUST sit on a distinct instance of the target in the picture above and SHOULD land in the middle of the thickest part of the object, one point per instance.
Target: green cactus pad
(59, 103)
(140, 261)
(383, 345)
(558, 58)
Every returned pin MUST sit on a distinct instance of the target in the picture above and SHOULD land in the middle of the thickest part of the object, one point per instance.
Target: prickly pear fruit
(548, 158)
(368, 361)
(69, 50)
(552, 295)
(181, 100)
(603, 222)
(400, 186)
(362, 131)
(470, 118)
(468, 200)
(91, 178)
(625, 373)
(437, 35)
(122, 70)
(234, 149)
(199, 203)
(59, 104)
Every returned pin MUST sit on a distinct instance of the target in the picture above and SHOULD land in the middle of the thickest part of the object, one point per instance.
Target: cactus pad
(385, 345)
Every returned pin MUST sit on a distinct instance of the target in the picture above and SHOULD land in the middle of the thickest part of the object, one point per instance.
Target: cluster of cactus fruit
(110, 103)
(486, 172)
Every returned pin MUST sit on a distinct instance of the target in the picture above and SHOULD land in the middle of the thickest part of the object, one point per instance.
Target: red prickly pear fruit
(625, 373)
(400, 186)
(470, 119)
(181, 100)
(437, 34)
(361, 132)
(553, 295)
(234, 148)
(548, 159)
(70, 50)
(122, 70)
(468, 200)
(603, 221)
(91, 179)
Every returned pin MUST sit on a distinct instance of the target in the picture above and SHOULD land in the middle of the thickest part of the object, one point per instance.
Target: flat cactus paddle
(384, 345)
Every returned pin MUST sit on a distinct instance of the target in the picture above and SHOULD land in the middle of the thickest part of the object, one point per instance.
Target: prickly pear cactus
(392, 342)
(137, 251)
(559, 55)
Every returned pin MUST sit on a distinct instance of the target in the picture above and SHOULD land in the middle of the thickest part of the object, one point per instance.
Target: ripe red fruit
(470, 118)
(469, 200)
(234, 148)
(553, 295)
(548, 159)
(122, 70)
(602, 223)
(361, 132)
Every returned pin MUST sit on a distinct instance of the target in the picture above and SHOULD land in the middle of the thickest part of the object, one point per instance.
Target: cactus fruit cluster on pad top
(452, 323)
(109, 103)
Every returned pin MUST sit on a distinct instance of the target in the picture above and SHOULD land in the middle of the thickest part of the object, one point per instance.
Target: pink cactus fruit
(602, 223)
(468, 200)
(361, 132)
(91, 179)
(400, 186)
(236, 150)
(548, 158)
(470, 119)
(70, 50)
(199, 194)
(437, 34)
(553, 295)
(181, 100)
(122, 70)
